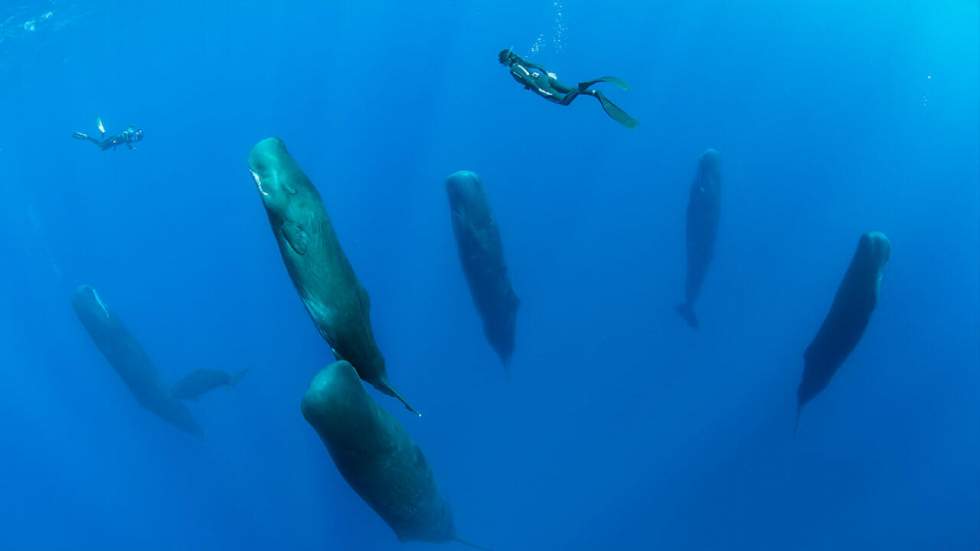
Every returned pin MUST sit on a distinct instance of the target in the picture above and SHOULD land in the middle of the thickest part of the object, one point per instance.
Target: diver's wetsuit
(127, 137)
(545, 84)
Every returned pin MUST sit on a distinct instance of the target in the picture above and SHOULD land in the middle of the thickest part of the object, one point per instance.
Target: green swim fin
(615, 112)
(615, 82)
(611, 80)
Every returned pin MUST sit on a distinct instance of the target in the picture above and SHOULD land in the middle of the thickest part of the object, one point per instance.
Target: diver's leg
(86, 137)
(569, 97)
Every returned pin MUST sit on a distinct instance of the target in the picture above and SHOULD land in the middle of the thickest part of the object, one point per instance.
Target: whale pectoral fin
(296, 237)
(386, 388)
(324, 318)
(363, 297)
(482, 236)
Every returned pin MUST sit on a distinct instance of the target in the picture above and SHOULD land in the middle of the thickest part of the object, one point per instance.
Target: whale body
(703, 213)
(481, 253)
(334, 298)
(376, 456)
(849, 315)
(130, 361)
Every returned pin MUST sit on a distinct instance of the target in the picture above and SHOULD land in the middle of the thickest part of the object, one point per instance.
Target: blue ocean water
(619, 427)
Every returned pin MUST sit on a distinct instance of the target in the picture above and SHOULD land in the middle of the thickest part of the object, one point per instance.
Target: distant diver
(128, 137)
(545, 84)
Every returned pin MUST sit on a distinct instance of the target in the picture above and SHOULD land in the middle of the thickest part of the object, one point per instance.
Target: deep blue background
(621, 428)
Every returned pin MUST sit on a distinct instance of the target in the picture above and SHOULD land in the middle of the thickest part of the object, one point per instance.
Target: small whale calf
(204, 380)
(377, 457)
(482, 256)
(703, 212)
(849, 314)
(334, 298)
(129, 360)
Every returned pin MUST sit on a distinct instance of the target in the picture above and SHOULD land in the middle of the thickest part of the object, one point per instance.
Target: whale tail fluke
(470, 544)
(386, 388)
(796, 426)
(238, 376)
(686, 311)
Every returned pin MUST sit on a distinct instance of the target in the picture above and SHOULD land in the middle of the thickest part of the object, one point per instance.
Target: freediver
(128, 137)
(545, 84)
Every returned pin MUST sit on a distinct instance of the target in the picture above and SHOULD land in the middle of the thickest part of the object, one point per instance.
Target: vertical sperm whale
(482, 256)
(129, 360)
(703, 212)
(334, 298)
(849, 315)
(377, 457)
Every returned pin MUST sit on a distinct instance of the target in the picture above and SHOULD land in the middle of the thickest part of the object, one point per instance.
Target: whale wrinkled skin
(376, 456)
(334, 298)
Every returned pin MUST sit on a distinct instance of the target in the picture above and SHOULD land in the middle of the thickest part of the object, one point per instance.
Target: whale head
(709, 164)
(462, 187)
(876, 248)
(274, 172)
(87, 300)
